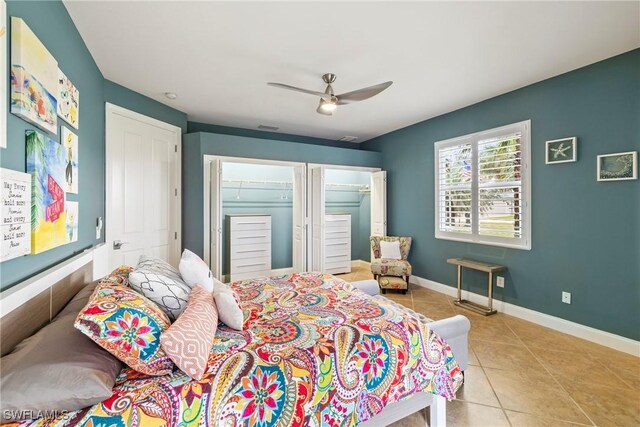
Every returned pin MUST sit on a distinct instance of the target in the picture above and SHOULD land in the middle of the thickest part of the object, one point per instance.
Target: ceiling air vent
(348, 138)
(266, 127)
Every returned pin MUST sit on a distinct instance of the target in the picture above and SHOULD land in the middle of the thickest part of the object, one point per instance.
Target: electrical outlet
(500, 282)
(566, 297)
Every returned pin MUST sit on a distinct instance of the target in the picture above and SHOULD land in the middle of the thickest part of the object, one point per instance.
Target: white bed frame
(399, 410)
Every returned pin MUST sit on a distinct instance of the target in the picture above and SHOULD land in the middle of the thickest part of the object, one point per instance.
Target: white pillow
(390, 250)
(195, 271)
(229, 311)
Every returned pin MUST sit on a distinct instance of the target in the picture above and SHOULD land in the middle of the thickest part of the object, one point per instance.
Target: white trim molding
(359, 263)
(17, 295)
(617, 342)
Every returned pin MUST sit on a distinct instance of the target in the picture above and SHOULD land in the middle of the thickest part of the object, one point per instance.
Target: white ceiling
(217, 56)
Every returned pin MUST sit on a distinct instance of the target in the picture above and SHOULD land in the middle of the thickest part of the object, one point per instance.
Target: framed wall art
(34, 78)
(563, 150)
(68, 100)
(46, 162)
(618, 166)
(3, 74)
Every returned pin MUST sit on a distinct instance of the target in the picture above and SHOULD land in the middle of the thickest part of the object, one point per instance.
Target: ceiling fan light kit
(329, 101)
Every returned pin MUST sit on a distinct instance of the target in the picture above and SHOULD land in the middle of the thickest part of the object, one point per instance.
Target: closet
(256, 215)
(320, 217)
(347, 206)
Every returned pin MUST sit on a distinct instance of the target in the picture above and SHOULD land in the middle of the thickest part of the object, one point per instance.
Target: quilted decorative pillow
(195, 271)
(127, 325)
(162, 284)
(228, 305)
(188, 341)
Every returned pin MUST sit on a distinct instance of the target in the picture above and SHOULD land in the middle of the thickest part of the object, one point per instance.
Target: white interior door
(215, 220)
(143, 188)
(299, 219)
(317, 218)
(379, 203)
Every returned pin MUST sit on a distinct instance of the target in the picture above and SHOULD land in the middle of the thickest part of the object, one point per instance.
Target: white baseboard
(282, 271)
(588, 333)
(357, 263)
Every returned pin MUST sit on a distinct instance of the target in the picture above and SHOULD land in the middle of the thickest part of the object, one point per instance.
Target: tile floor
(521, 374)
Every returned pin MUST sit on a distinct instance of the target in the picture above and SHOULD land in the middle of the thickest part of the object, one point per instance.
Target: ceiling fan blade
(362, 94)
(297, 89)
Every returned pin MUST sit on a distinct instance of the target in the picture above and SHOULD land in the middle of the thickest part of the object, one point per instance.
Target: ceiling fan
(329, 101)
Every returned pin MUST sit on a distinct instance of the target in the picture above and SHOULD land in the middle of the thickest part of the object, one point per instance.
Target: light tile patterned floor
(521, 374)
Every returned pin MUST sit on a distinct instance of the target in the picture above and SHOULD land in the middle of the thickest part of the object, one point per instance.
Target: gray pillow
(57, 369)
(162, 284)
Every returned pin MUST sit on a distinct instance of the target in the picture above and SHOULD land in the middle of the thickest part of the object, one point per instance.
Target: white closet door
(317, 218)
(379, 203)
(142, 181)
(215, 220)
(299, 219)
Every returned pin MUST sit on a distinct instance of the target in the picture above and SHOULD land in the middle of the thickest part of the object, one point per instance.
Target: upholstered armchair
(391, 267)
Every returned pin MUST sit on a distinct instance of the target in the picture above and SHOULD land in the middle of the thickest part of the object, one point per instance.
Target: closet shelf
(256, 181)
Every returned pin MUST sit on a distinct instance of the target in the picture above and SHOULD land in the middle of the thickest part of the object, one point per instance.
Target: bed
(314, 351)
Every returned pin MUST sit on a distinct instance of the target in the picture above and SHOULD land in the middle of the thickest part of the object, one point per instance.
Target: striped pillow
(188, 340)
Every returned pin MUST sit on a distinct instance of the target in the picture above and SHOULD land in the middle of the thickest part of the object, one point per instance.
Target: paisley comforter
(314, 352)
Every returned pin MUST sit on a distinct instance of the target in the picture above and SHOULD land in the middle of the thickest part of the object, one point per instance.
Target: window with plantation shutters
(482, 189)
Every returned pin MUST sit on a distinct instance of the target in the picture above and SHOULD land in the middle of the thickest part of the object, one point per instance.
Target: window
(482, 187)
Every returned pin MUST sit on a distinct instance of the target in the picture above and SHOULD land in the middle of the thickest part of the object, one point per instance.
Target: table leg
(459, 283)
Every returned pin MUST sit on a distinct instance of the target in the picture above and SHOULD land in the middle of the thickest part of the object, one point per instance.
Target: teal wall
(123, 97)
(53, 26)
(586, 234)
(196, 145)
(194, 127)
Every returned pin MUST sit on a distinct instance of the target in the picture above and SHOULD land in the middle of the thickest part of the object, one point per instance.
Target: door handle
(117, 244)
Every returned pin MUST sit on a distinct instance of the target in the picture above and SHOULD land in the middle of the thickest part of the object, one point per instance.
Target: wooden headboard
(35, 302)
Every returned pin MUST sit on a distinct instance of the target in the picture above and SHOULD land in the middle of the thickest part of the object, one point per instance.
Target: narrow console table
(480, 266)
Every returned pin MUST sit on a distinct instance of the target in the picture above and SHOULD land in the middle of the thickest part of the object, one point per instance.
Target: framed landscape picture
(561, 151)
(618, 166)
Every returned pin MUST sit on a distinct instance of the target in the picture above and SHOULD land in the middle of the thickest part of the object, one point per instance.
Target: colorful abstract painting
(3, 74)
(70, 142)
(46, 162)
(34, 78)
(68, 100)
(71, 216)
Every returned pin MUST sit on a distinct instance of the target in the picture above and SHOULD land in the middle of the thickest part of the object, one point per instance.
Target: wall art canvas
(561, 150)
(618, 166)
(68, 100)
(15, 214)
(3, 74)
(34, 78)
(71, 216)
(69, 141)
(46, 162)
